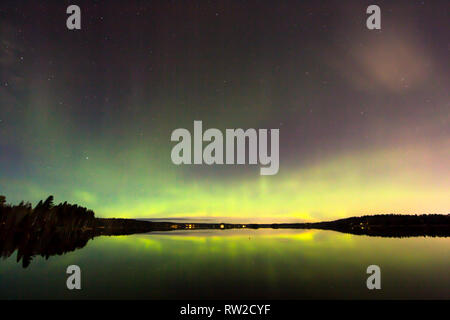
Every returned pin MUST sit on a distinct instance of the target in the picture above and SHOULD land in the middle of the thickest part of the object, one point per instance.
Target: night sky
(363, 114)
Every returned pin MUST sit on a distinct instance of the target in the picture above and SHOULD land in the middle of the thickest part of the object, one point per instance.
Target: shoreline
(376, 225)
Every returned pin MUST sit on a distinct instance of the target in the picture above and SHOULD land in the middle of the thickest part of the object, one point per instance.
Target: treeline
(45, 230)
(392, 225)
(44, 216)
(49, 229)
(397, 220)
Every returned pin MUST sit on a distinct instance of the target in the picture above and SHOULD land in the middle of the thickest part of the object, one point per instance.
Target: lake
(237, 264)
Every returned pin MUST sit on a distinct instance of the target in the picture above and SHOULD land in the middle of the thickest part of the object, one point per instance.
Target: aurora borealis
(363, 115)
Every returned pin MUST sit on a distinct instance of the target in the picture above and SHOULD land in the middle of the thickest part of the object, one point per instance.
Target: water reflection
(49, 229)
(29, 243)
(234, 264)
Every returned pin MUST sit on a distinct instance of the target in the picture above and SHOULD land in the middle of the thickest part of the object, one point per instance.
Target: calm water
(231, 264)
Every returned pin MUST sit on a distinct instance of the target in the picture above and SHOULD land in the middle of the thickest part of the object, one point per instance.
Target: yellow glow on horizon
(352, 184)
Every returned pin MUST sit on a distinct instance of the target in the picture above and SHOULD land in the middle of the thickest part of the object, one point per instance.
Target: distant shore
(47, 219)
(433, 225)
